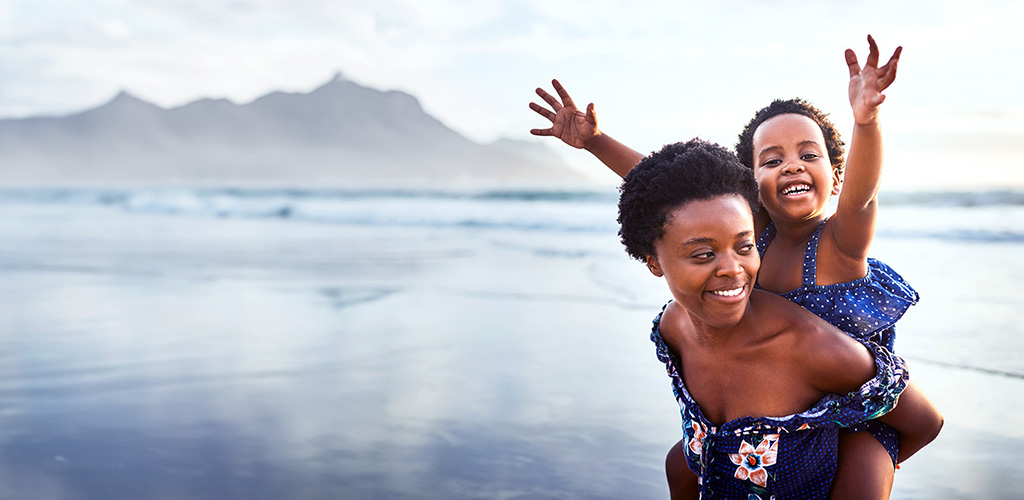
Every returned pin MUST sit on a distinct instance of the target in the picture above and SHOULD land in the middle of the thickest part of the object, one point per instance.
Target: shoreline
(281, 356)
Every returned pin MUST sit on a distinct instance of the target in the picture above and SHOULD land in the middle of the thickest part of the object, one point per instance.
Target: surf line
(988, 371)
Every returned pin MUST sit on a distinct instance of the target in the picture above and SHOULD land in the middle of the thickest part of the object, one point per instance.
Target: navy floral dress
(866, 309)
(790, 457)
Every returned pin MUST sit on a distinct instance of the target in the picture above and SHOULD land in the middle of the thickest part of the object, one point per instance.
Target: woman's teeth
(728, 293)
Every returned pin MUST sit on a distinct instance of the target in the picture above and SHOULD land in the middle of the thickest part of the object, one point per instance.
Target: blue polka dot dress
(866, 309)
(790, 457)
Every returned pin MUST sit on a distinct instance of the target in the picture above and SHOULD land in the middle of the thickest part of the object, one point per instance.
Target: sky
(658, 71)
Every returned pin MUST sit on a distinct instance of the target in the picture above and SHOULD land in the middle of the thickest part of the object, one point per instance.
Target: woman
(763, 384)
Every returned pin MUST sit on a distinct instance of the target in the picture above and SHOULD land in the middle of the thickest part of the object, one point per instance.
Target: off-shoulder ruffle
(875, 397)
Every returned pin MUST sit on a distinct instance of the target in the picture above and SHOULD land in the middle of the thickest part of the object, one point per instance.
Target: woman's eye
(704, 255)
(747, 248)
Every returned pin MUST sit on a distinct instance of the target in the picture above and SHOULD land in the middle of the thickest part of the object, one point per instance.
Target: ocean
(423, 344)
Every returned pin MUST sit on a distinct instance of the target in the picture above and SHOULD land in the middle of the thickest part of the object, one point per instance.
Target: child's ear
(652, 265)
(837, 181)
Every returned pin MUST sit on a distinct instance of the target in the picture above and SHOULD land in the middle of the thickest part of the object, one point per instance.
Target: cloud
(658, 71)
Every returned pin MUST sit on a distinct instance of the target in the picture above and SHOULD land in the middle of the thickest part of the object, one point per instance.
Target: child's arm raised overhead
(580, 131)
(854, 220)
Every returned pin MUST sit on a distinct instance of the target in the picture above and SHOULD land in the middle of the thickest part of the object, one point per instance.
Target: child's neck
(793, 232)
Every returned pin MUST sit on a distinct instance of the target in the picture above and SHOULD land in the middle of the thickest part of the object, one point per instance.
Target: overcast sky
(659, 71)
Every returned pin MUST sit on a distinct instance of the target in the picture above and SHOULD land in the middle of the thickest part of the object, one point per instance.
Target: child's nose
(793, 167)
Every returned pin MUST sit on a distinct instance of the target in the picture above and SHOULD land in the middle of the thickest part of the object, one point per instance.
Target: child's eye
(810, 156)
(771, 163)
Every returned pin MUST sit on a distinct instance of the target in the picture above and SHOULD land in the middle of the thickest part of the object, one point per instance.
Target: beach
(422, 344)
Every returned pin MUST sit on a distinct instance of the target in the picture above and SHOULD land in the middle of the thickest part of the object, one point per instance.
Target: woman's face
(708, 258)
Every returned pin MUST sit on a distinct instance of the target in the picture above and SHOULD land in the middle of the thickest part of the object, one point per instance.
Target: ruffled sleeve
(862, 307)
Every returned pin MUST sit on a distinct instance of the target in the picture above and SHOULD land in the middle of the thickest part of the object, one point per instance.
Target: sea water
(387, 343)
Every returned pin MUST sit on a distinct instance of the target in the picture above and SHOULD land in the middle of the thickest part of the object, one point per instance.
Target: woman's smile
(732, 294)
(708, 258)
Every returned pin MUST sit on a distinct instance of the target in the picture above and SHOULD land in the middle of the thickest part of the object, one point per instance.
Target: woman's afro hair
(833, 143)
(670, 178)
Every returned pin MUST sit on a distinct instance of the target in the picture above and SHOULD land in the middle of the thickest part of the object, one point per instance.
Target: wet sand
(147, 356)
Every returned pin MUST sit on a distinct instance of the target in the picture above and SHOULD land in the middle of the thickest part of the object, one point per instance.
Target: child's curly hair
(670, 178)
(834, 144)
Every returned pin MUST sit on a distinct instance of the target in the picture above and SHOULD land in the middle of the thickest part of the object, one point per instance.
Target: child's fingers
(548, 98)
(851, 61)
(895, 56)
(872, 53)
(890, 74)
(566, 100)
(542, 111)
(890, 67)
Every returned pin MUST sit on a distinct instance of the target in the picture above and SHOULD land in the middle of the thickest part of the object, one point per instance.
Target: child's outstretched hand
(867, 83)
(568, 123)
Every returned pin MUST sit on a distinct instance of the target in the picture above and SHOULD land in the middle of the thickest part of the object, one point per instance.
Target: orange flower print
(752, 461)
(697, 441)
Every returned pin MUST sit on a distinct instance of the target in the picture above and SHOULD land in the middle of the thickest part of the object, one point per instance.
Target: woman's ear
(652, 265)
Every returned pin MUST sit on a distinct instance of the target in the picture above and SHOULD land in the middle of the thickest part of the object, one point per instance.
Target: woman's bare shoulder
(803, 334)
(831, 359)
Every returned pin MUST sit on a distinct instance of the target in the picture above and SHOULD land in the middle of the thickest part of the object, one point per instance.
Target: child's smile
(794, 175)
(796, 188)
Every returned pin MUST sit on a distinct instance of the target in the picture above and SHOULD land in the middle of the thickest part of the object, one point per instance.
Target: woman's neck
(721, 336)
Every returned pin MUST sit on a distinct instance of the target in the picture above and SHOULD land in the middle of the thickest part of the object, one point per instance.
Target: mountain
(339, 133)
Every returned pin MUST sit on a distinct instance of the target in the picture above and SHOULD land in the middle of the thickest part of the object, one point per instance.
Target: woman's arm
(854, 221)
(846, 364)
(916, 419)
(682, 482)
(835, 361)
(580, 131)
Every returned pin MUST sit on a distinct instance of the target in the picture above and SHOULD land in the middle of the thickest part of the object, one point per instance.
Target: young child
(739, 357)
(820, 262)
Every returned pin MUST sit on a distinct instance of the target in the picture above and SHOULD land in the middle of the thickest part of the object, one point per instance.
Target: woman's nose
(730, 265)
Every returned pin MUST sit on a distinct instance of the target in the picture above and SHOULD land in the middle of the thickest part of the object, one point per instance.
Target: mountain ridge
(338, 133)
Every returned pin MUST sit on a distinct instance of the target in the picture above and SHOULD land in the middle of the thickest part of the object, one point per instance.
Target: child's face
(795, 178)
(708, 258)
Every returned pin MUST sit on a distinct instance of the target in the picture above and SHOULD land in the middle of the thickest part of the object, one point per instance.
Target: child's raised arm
(854, 221)
(580, 131)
